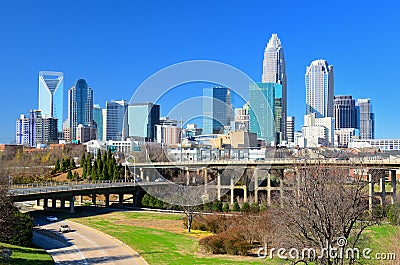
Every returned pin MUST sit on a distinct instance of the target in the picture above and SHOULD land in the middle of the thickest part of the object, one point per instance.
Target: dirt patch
(173, 226)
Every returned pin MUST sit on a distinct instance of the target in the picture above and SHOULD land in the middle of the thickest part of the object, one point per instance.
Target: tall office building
(51, 93)
(217, 109)
(116, 120)
(262, 110)
(80, 106)
(319, 89)
(290, 128)
(345, 112)
(274, 71)
(366, 119)
(98, 119)
(36, 129)
(142, 119)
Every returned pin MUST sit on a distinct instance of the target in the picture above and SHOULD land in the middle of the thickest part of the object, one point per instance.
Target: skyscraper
(319, 89)
(345, 112)
(51, 92)
(366, 119)
(80, 106)
(262, 110)
(116, 120)
(217, 109)
(142, 118)
(290, 128)
(98, 119)
(274, 71)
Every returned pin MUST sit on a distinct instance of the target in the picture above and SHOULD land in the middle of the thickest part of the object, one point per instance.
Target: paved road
(83, 246)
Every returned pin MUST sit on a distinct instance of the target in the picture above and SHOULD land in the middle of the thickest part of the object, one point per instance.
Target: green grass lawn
(158, 246)
(27, 256)
(162, 247)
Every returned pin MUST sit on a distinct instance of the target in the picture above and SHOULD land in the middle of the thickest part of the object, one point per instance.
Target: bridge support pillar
(393, 182)
(38, 202)
(269, 189)
(45, 203)
(81, 199)
(94, 199)
(219, 186)
(232, 191)
(53, 203)
(245, 193)
(72, 205)
(371, 192)
(107, 200)
(141, 173)
(62, 203)
(205, 175)
(120, 199)
(282, 186)
(187, 176)
(256, 184)
(382, 189)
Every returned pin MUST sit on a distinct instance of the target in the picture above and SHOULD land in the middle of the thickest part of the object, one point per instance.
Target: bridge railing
(36, 188)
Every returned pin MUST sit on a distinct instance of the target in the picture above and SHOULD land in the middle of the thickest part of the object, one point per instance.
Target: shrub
(225, 208)
(217, 206)
(254, 207)
(394, 214)
(263, 207)
(236, 207)
(245, 207)
(225, 243)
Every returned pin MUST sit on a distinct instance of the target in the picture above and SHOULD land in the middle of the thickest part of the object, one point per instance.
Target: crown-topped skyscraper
(274, 71)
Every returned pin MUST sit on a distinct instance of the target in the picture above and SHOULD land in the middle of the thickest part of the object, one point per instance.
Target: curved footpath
(84, 246)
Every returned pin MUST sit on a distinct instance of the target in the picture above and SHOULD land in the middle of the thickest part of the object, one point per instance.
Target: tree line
(103, 167)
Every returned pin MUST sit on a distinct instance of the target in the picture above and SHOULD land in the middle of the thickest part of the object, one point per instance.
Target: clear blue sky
(116, 45)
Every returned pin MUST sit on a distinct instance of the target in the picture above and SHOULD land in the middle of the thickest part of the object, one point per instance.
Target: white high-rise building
(319, 89)
(51, 93)
(318, 131)
(274, 71)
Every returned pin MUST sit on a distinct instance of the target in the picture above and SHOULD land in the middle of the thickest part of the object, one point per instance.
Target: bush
(263, 207)
(213, 244)
(217, 206)
(236, 207)
(225, 208)
(225, 243)
(245, 207)
(254, 207)
(394, 214)
(152, 202)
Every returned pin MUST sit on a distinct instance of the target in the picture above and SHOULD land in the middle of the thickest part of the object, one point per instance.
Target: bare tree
(326, 208)
(7, 210)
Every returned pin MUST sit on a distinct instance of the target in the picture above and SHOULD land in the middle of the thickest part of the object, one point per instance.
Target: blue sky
(116, 45)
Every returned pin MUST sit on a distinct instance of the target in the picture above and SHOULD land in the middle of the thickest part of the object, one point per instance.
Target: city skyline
(115, 56)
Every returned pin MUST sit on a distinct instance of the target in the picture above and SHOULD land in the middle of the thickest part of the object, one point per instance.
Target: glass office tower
(80, 106)
(263, 99)
(51, 89)
(217, 109)
(274, 71)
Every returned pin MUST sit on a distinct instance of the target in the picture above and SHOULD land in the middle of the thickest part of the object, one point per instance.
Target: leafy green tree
(394, 214)
(76, 175)
(57, 166)
(69, 174)
(22, 230)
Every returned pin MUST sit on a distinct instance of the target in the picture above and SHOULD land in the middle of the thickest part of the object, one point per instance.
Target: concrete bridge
(145, 172)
